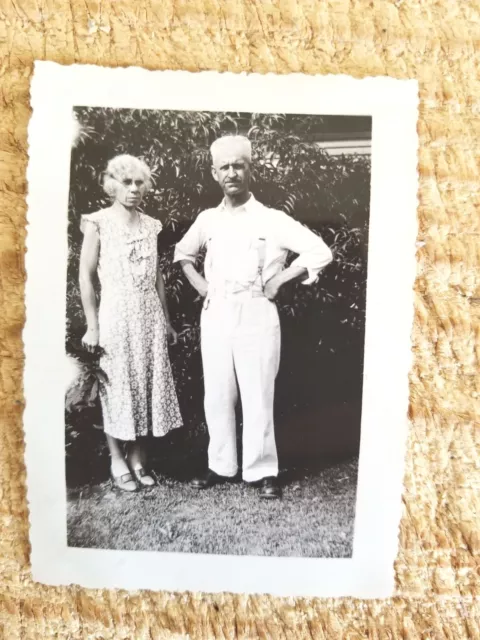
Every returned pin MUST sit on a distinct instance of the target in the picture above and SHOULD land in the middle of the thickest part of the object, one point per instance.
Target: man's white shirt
(247, 246)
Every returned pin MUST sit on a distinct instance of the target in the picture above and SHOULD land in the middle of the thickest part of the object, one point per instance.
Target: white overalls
(240, 329)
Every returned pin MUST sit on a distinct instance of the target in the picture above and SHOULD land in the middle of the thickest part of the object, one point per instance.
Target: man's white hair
(240, 144)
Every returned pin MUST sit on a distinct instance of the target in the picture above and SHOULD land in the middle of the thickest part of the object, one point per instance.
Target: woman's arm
(88, 268)
(160, 285)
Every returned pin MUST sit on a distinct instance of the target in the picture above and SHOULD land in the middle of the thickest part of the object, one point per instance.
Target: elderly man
(246, 247)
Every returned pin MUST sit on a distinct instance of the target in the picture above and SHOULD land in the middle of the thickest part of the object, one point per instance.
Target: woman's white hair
(121, 166)
(229, 144)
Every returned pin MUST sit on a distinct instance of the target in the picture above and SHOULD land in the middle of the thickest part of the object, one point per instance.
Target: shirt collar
(248, 207)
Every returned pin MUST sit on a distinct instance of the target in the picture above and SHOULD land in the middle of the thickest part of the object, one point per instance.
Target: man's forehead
(229, 156)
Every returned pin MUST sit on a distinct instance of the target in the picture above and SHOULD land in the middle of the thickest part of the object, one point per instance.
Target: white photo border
(393, 106)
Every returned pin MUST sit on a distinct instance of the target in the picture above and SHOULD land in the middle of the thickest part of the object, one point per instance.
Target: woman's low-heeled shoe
(141, 474)
(125, 482)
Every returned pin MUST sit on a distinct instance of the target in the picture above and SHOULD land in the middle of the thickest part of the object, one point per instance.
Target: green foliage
(323, 325)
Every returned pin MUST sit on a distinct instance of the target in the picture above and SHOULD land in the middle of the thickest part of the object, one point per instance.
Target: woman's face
(129, 187)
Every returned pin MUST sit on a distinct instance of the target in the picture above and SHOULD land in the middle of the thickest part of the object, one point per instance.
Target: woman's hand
(90, 340)
(172, 335)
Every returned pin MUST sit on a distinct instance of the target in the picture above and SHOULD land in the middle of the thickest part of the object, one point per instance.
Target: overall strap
(261, 259)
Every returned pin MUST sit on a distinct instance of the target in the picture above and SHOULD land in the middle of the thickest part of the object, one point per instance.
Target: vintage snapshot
(219, 306)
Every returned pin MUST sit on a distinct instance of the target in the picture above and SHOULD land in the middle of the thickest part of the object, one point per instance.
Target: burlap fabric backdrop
(434, 41)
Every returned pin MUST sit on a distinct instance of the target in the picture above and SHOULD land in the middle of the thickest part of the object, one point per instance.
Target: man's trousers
(240, 341)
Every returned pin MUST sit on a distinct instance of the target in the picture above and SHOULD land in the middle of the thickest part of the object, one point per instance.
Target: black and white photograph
(218, 404)
(216, 272)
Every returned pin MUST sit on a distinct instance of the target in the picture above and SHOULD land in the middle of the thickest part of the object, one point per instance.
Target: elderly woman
(132, 324)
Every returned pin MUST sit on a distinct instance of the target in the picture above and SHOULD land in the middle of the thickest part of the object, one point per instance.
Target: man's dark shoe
(209, 479)
(269, 489)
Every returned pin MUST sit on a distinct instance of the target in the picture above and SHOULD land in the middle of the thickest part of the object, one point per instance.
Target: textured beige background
(435, 41)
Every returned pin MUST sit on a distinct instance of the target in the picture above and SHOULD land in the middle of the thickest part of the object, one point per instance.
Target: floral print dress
(139, 396)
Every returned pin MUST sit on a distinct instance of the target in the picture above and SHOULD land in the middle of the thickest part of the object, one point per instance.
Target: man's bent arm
(313, 253)
(293, 272)
(197, 281)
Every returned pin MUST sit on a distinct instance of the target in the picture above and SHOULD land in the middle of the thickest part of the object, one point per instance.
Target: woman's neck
(126, 214)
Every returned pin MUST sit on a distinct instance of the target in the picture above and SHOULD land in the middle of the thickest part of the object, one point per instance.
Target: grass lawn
(314, 519)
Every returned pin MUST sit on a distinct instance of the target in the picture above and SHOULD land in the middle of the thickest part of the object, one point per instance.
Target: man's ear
(214, 174)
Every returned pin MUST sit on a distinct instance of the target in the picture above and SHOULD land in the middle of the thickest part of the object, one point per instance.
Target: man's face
(232, 172)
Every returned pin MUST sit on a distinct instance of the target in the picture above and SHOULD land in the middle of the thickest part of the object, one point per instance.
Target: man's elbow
(323, 255)
(185, 263)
